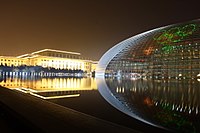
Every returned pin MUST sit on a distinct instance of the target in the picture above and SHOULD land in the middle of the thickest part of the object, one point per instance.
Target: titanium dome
(155, 77)
(171, 52)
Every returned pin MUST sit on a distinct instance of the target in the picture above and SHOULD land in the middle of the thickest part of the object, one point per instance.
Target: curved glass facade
(155, 77)
(168, 52)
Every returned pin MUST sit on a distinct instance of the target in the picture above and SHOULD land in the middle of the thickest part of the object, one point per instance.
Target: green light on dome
(174, 35)
(172, 119)
(188, 29)
(167, 49)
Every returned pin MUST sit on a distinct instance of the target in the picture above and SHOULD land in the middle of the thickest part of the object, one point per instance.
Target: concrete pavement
(44, 116)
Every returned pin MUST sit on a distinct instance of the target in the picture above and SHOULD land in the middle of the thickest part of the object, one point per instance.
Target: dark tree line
(37, 69)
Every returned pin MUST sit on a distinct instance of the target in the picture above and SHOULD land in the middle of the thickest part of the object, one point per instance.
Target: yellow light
(25, 90)
(55, 97)
(148, 51)
(53, 50)
(22, 55)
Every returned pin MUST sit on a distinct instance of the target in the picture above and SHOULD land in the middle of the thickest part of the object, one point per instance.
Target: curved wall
(167, 52)
(155, 75)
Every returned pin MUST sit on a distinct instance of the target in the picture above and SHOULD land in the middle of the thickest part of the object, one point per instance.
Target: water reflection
(49, 88)
(171, 104)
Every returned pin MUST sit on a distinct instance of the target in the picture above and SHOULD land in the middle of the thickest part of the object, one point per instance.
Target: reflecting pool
(80, 94)
(49, 88)
(171, 104)
(147, 105)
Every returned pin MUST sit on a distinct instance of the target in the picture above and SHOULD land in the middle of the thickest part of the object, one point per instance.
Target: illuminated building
(53, 59)
(170, 52)
(12, 61)
(94, 65)
(154, 76)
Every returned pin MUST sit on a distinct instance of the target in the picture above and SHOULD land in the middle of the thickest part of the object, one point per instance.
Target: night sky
(90, 27)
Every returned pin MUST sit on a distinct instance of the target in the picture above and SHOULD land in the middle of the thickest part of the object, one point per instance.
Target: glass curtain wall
(172, 52)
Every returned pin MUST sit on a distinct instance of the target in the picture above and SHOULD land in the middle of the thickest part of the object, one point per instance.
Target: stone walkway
(39, 115)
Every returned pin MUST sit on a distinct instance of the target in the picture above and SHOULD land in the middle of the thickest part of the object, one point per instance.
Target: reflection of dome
(163, 53)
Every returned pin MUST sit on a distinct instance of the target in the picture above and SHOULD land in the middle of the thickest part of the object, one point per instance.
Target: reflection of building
(177, 95)
(172, 104)
(50, 88)
(49, 84)
(51, 58)
(163, 53)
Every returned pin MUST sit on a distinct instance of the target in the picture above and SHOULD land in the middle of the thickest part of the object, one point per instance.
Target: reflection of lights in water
(148, 101)
(159, 102)
(55, 87)
(198, 77)
(179, 108)
(49, 83)
(134, 78)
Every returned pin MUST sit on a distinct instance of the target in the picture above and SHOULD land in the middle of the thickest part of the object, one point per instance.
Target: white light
(190, 111)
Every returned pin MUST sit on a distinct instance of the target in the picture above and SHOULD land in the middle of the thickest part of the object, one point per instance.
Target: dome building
(168, 52)
(155, 77)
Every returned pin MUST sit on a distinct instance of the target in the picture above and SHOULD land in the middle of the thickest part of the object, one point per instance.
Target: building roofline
(64, 58)
(53, 50)
(8, 56)
(22, 56)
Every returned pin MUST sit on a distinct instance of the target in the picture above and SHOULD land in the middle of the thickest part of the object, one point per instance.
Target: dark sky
(90, 27)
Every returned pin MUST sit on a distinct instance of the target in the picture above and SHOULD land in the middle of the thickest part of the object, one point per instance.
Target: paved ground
(11, 123)
(23, 112)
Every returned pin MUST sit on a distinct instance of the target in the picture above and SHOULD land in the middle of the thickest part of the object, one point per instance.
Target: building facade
(12, 61)
(168, 52)
(155, 75)
(52, 59)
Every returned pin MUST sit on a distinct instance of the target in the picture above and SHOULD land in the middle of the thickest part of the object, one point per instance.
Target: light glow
(53, 50)
(55, 97)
